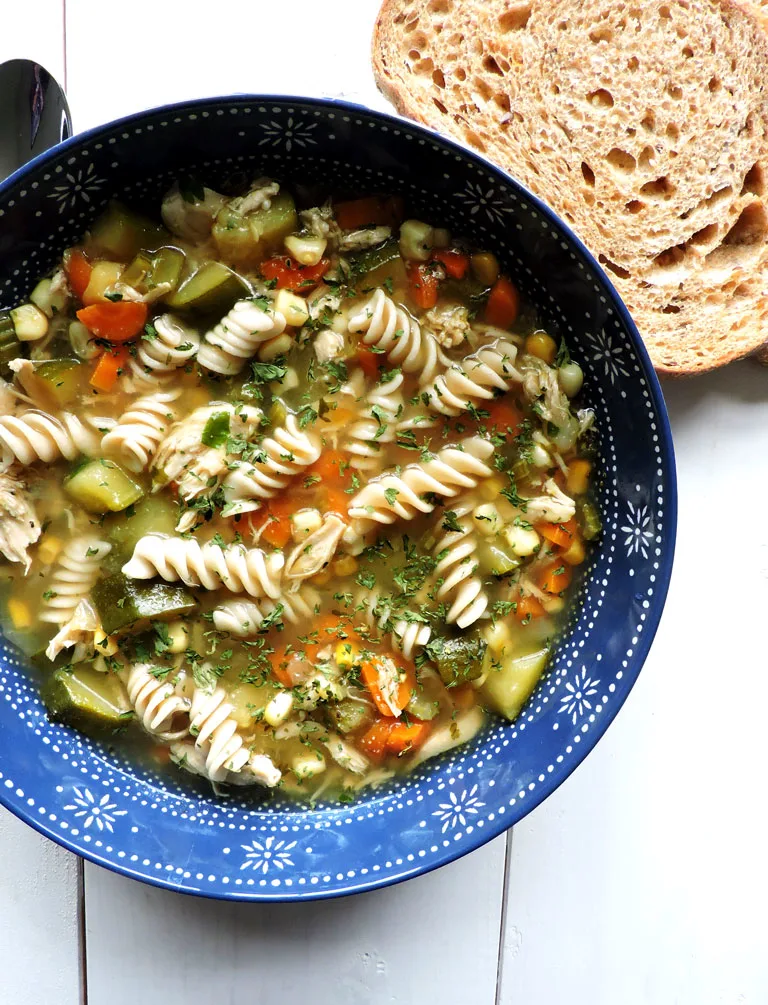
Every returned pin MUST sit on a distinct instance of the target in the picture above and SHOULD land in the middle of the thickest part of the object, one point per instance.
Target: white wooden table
(644, 879)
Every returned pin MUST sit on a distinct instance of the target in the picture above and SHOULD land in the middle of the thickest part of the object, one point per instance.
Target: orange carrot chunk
(555, 578)
(78, 270)
(455, 263)
(289, 275)
(422, 285)
(108, 368)
(406, 737)
(503, 303)
(115, 322)
(373, 742)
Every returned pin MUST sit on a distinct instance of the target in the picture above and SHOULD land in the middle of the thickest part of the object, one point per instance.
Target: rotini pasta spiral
(230, 344)
(388, 327)
(139, 430)
(378, 426)
(235, 568)
(455, 571)
(245, 617)
(160, 708)
(406, 636)
(391, 496)
(37, 436)
(160, 352)
(216, 734)
(260, 769)
(73, 576)
(285, 452)
(474, 379)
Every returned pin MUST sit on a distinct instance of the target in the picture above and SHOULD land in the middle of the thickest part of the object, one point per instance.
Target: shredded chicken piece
(541, 386)
(190, 218)
(19, 525)
(7, 395)
(309, 557)
(130, 293)
(345, 754)
(328, 344)
(449, 324)
(554, 507)
(80, 632)
(183, 458)
(359, 240)
(260, 194)
(320, 222)
(388, 680)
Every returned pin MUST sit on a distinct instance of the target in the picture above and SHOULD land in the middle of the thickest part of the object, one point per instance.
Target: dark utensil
(34, 114)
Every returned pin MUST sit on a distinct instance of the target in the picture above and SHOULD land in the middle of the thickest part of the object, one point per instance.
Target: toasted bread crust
(645, 126)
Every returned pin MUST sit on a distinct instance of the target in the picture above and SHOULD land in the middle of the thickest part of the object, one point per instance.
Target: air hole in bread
(439, 6)
(460, 73)
(476, 46)
(674, 91)
(664, 13)
(670, 309)
(710, 203)
(474, 140)
(602, 34)
(646, 158)
(502, 100)
(414, 55)
(705, 236)
(635, 206)
(754, 181)
(621, 161)
(589, 174)
(515, 18)
(688, 52)
(714, 85)
(648, 122)
(633, 63)
(750, 228)
(742, 290)
(671, 266)
(440, 106)
(658, 189)
(438, 78)
(455, 40)
(601, 98)
(423, 67)
(673, 132)
(490, 64)
(613, 267)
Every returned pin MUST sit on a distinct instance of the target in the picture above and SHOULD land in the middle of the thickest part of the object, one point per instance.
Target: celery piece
(216, 431)
(121, 233)
(124, 603)
(458, 660)
(589, 518)
(496, 559)
(348, 716)
(90, 701)
(213, 288)
(56, 381)
(101, 486)
(420, 707)
(510, 681)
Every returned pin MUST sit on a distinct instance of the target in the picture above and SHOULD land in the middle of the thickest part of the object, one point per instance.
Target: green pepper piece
(102, 486)
(458, 660)
(124, 603)
(90, 701)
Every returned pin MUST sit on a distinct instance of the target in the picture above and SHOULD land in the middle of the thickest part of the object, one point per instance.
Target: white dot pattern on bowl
(105, 807)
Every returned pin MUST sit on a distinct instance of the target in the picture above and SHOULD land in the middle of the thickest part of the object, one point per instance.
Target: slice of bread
(643, 124)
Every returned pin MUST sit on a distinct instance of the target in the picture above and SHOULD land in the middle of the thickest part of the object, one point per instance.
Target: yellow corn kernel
(322, 578)
(346, 654)
(491, 487)
(104, 643)
(345, 566)
(541, 345)
(49, 549)
(575, 554)
(577, 479)
(21, 616)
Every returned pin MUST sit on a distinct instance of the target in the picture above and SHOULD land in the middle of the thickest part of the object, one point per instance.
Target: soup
(296, 495)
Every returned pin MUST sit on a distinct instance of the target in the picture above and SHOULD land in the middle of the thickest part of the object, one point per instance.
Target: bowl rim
(666, 560)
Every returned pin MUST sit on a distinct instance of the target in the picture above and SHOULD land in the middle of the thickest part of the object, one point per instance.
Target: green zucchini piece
(102, 486)
(213, 288)
(147, 271)
(510, 682)
(154, 514)
(589, 518)
(458, 660)
(10, 346)
(56, 381)
(121, 233)
(234, 239)
(124, 603)
(420, 707)
(376, 266)
(90, 701)
(348, 716)
(271, 225)
(495, 559)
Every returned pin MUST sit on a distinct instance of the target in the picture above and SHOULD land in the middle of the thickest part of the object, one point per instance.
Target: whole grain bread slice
(643, 124)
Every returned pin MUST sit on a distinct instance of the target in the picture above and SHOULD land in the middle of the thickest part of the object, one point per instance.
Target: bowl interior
(177, 834)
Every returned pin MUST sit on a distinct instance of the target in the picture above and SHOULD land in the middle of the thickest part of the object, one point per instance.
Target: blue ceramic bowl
(161, 831)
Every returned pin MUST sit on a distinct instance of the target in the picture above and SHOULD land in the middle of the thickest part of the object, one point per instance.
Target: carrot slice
(455, 263)
(503, 303)
(555, 578)
(369, 362)
(108, 368)
(78, 270)
(115, 322)
(406, 737)
(289, 275)
(528, 607)
(422, 285)
(559, 534)
(503, 416)
(372, 210)
(274, 521)
(332, 468)
(374, 741)
(369, 671)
